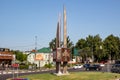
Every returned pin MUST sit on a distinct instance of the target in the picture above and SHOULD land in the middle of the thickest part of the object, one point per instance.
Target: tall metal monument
(65, 53)
(58, 48)
(64, 29)
(61, 54)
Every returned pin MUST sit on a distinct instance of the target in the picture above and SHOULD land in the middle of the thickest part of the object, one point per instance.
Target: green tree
(98, 48)
(81, 44)
(52, 44)
(20, 56)
(90, 43)
(92, 47)
(82, 48)
(112, 44)
(69, 43)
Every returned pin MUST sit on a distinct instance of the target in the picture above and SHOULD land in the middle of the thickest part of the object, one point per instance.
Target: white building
(27, 52)
(41, 57)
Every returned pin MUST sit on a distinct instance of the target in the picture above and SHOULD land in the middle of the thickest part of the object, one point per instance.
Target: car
(117, 62)
(93, 67)
(86, 65)
(115, 68)
(77, 66)
(102, 65)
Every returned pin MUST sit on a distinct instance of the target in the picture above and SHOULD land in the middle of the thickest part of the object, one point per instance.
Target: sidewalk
(24, 71)
(19, 71)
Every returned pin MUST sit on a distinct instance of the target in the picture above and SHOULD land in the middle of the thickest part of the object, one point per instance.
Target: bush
(23, 66)
(48, 65)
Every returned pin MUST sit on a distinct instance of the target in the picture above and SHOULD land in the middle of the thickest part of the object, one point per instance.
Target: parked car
(117, 62)
(115, 68)
(77, 66)
(102, 65)
(86, 65)
(94, 67)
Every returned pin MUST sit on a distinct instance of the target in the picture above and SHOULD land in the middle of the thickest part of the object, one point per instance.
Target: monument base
(61, 74)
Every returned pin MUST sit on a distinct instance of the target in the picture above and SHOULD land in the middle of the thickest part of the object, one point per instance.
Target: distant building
(41, 57)
(6, 57)
(27, 52)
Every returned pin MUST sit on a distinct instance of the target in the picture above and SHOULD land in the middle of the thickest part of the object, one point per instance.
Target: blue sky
(22, 20)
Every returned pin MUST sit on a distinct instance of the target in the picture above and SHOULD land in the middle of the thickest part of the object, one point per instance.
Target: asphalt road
(6, 76)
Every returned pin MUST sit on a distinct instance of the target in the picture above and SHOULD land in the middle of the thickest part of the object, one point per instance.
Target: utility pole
(36, 49)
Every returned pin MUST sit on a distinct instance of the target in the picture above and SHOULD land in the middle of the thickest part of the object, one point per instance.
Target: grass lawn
(75, 76)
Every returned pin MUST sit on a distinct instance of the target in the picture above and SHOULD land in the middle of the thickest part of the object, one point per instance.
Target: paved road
(6, 76)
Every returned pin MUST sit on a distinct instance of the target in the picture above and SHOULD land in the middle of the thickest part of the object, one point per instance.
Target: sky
(22, 20)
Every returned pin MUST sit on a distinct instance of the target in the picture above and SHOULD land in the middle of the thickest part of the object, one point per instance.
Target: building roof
(44, 50)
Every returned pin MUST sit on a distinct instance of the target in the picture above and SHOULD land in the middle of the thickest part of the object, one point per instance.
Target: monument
(66, 51)
(58, 48)
(61, 54)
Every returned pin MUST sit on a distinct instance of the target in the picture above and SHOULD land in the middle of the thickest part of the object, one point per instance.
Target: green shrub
(23, 66)
(48, 65)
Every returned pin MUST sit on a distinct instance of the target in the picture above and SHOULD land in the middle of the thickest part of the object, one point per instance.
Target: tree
(81, 44)
(84, 47)
(90, 43)
(52, 44)
(90, 47)
(20, 56)
(111, 44)
(98, 48)
(69, 43)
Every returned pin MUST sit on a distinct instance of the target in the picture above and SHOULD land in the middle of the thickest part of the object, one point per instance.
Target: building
(27, 52)
(41, 57)
(6, 57)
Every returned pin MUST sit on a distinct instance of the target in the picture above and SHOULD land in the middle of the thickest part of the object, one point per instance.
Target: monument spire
(65, 54)
(64, 29)
(58, 33)
(57, 36)
(59, 30)
(58, 48)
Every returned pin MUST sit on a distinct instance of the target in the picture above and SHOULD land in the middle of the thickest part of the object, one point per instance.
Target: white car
(102, 65)
(77, 66)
